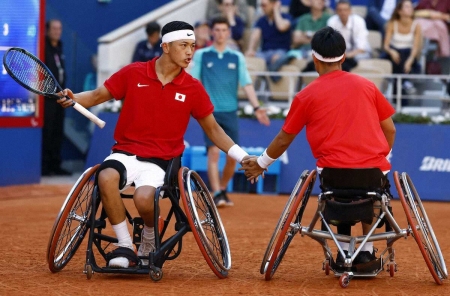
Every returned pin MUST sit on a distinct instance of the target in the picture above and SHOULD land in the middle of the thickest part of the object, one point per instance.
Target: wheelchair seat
(350, 194)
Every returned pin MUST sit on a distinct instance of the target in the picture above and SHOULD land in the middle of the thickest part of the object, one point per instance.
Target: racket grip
(100, 123)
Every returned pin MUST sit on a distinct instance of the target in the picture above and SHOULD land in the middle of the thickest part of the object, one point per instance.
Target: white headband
(326, 60)
(178, 35)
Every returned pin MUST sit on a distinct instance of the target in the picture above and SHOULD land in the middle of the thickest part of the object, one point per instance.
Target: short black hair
(175, 26)
(343, 2)
(220, 20)
(328, 42)
(152, 27)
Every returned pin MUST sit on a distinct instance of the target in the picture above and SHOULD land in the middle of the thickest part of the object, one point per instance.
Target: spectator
(353, 29)
(402, 42)
(53, 129)
(378, 13)
(202, 35)
(213, 8)
(149, 48)
(434, 17)
(228, 10)
(221, 70)
(273, 30)
(308, 24)
(297, 8)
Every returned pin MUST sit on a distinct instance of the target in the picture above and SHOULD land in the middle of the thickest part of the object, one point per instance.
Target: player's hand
(66, 99)
(262, 117)
(251, 169)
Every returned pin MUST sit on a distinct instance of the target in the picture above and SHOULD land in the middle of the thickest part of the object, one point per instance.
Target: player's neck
(166, 69)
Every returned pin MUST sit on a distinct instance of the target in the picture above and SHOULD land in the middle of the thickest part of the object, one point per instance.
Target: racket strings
(31, 73)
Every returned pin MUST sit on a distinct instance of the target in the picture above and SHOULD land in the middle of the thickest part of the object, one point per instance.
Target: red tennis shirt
(342, 114)
(154, 118)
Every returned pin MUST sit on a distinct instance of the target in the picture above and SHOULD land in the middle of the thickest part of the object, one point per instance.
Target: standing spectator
(221, 70)
(53, 129)
(378, 13)
(149, 48)
(434, 17)
(202, 35)
(308, 24)
(353, 29)
(213, 8)
(403, 41)
(273, 31)
(228, 10)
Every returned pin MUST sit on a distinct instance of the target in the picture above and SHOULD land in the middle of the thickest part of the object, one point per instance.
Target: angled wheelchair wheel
(288, 225)
(205, 222)
(420, 227)
(71, 225)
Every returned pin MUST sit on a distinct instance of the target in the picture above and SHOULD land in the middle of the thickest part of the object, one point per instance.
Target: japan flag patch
(180, 97)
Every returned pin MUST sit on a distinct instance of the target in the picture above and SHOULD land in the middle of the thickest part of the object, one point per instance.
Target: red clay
(27, 214)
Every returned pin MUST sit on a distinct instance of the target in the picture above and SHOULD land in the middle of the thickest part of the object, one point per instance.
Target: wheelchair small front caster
(392, 268)
(344, 280)
(326, 267)
(156, 273)
(88, 271)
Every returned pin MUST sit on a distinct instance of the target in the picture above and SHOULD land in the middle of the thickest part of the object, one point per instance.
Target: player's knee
(144, 197)
(111, 173)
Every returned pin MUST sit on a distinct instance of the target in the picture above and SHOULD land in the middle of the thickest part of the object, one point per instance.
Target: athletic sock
(123, 235)
(149, 233)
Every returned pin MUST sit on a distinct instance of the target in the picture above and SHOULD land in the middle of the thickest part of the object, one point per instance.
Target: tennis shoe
(146, 246)
(227, 200)
(219, 200)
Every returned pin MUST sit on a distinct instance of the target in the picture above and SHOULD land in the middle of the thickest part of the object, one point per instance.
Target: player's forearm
(251, 95)
(93, 97)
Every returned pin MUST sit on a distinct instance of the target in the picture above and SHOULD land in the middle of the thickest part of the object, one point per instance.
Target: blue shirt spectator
(149, 48)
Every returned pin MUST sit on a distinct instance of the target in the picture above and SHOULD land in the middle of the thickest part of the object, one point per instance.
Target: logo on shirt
(209, 65)
(142, 85)
(180, 97)
(231, 66)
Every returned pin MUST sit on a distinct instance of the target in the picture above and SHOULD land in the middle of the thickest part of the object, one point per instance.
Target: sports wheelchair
(350, 196)
(82, 215)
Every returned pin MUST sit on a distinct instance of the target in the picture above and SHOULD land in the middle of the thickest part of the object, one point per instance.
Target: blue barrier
(420, 150)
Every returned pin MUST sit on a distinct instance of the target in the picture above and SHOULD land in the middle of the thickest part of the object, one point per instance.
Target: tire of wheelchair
(206, 225)
(71, 224)
(420, 227)
(283, 234)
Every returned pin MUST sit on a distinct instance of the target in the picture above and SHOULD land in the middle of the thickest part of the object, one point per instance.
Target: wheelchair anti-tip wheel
(71, 224)
(205, 222)
(420, 227)
(288, 225)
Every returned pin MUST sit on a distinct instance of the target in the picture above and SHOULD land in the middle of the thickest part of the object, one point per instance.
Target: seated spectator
(402, 42)
(307, 25)
(202, 35)
(297, 8)
(149, 48)
(434, 17)
(228, 10)
(378, 13)
(213, 9)
(353, 29)
(273, 31)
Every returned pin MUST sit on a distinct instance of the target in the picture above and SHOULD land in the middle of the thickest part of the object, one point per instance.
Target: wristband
(264, 160)
(256, 108)
(237, 153)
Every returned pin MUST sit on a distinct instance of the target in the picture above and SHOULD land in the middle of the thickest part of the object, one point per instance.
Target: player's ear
(165, 47)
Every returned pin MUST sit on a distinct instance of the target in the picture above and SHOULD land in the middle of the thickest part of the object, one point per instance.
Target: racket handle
(100, 123)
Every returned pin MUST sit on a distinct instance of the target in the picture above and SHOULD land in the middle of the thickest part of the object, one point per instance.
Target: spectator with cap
(149, 48)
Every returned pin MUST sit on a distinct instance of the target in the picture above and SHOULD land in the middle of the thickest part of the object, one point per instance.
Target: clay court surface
(27, 214)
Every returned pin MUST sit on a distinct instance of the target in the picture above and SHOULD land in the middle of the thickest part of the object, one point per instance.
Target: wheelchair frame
(78, 216)
(290, 224)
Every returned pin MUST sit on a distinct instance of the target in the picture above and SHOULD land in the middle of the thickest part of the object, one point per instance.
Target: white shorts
(142, 173)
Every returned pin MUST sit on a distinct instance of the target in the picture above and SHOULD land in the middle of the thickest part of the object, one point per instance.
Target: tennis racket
(33, 74)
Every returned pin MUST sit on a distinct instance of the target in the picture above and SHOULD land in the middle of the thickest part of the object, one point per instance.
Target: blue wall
(84, 21)
(21, 156)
